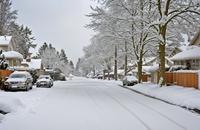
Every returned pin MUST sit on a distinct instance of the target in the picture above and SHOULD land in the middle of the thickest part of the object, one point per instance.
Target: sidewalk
(177, 95)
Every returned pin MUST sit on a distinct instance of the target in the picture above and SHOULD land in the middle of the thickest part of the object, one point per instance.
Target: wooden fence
(186, 79)
(145, 77)
(3, 75)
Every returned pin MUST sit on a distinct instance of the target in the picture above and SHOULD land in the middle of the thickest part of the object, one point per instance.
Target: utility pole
(115, 69)
(126, 60)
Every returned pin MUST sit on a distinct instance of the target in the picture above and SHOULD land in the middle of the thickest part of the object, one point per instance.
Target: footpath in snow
(181, 96)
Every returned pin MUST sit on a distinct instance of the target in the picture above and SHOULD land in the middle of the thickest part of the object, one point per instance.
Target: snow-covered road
(83, 104)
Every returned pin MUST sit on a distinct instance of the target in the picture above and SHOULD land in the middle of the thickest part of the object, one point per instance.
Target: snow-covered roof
(13, 55)
(150, 69)
(190, 54)
(34, 63)
(148, 60)
(5, 40)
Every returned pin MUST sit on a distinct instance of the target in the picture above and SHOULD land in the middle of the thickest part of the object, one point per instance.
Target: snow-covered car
(129, 80)
(19, 80)
(44, 81)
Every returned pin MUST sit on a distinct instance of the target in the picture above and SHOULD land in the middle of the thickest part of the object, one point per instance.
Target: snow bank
(1, 117)
(9, 104)
(185, 97)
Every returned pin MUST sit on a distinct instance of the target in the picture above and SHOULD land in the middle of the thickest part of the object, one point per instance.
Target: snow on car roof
(20, 72)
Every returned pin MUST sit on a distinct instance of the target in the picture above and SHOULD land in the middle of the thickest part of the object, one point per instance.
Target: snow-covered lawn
(182, 96)
(20, 101)
(84, 104)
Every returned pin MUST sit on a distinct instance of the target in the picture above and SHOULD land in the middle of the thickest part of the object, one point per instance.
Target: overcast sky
(60, 22)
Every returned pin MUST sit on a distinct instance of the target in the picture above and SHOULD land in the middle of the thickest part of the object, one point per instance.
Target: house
(13, 58)
(191, 56)
(7, 43)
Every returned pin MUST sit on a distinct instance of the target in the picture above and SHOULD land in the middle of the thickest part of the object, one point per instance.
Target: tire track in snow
(134, 115)
(146, 106)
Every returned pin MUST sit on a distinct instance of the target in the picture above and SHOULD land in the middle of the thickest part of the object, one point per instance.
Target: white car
(129, 80)
(44, 81)
(19, 80)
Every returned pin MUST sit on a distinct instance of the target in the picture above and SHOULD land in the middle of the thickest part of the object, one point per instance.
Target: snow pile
(9, 104)
(131, 78)
(185, 97)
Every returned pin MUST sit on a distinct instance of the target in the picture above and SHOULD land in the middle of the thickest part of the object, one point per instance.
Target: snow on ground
(84, 104)
(19, 101)
(186, 97)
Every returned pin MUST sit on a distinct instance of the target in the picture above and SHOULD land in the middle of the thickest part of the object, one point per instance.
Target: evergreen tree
(42, 48)
(63, 56)
(7, 16)
(71, 64)
(23, 38)
(78, 64)
(3, 63)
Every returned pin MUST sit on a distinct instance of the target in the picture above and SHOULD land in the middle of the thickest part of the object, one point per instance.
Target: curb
(195, 110)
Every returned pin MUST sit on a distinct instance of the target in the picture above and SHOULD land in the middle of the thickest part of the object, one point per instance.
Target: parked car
(44, 81)
(19, 80)
(129, 80)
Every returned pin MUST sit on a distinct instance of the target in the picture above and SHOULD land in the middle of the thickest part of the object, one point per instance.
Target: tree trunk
(140, 70)
(115, 69)
(94, 71)
(162, 55)
(104, 77)
(126, 60)
(162, 64)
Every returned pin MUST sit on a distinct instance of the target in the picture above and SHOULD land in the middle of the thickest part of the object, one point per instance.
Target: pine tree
(42, 48)
(63, 56)
(23, 38)
(7, 16)
(71, 64)
(3, 63)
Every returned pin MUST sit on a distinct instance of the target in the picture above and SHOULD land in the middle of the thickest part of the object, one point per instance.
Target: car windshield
(18, 76)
